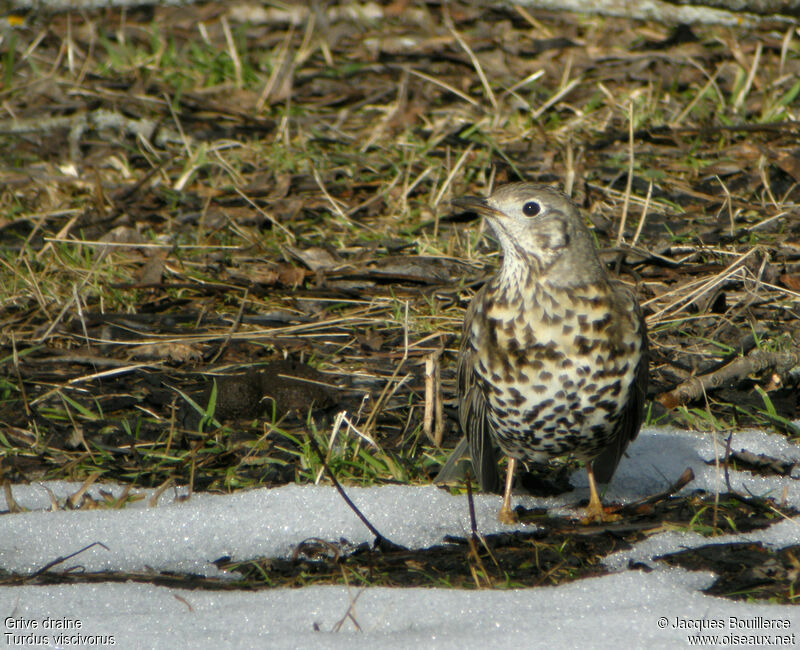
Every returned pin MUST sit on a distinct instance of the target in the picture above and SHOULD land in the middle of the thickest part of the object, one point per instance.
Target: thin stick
(473, 521)
(475, 63)
(380, 540)
(644, 215)
(373, 416)
(737, 105)
(442, 84)
(233, 328)
(237, 63)
(64, 558)
(629, 184)
(453, 172)
(432, 419)
(566, 89)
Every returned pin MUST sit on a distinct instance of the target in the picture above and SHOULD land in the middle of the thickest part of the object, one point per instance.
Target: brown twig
(473, 522)
(727, 462)
(13, 506)
(234, 328)
(433, 416)
(755, 362)
(381, 542)
(350, 608)
(64, 558)
(684, 479)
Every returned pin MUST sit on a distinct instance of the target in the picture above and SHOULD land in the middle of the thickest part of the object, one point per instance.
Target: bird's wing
(472, 416)
(477, 431)
(628, 428)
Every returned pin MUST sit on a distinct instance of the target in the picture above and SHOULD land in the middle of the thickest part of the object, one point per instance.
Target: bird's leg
(506, 514)
(594, 511)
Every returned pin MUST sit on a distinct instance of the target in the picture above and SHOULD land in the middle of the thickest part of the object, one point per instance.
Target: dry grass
(190, 193)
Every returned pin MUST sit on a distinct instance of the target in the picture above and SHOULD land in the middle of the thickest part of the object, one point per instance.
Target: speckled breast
(556, 368)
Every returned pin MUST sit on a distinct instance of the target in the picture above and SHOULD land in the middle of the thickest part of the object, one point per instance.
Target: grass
(292, 202)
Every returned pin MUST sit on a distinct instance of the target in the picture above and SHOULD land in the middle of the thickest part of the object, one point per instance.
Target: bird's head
(540, 228)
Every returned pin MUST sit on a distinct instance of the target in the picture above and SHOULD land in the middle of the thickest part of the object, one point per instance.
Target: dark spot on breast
(584, 345)
(590, 301)
(601, 323)
(548, 318)
(608, 405)
(548, 351)
(614, 388)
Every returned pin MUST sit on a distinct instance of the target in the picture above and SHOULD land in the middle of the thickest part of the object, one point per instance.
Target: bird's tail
(457, 465)
(460, 462)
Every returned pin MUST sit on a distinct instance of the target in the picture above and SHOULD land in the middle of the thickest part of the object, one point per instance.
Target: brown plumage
(553, 353)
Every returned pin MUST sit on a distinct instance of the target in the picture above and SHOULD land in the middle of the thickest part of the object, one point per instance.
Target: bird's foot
(596, 514)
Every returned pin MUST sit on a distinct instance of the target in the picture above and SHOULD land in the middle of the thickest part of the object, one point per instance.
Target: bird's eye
(531, 209)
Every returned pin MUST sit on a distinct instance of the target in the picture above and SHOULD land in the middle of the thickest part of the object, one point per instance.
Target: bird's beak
(477, 205)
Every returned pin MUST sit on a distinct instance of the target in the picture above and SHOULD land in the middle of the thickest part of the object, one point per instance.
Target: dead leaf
(123, 235)
(153, 268)
(370, 340)
(291, 276)
(315, 258)
(790, 281)
(787, 161)
(178, 352)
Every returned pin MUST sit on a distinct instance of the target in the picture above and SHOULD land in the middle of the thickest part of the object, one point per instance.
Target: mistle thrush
(553, 354)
